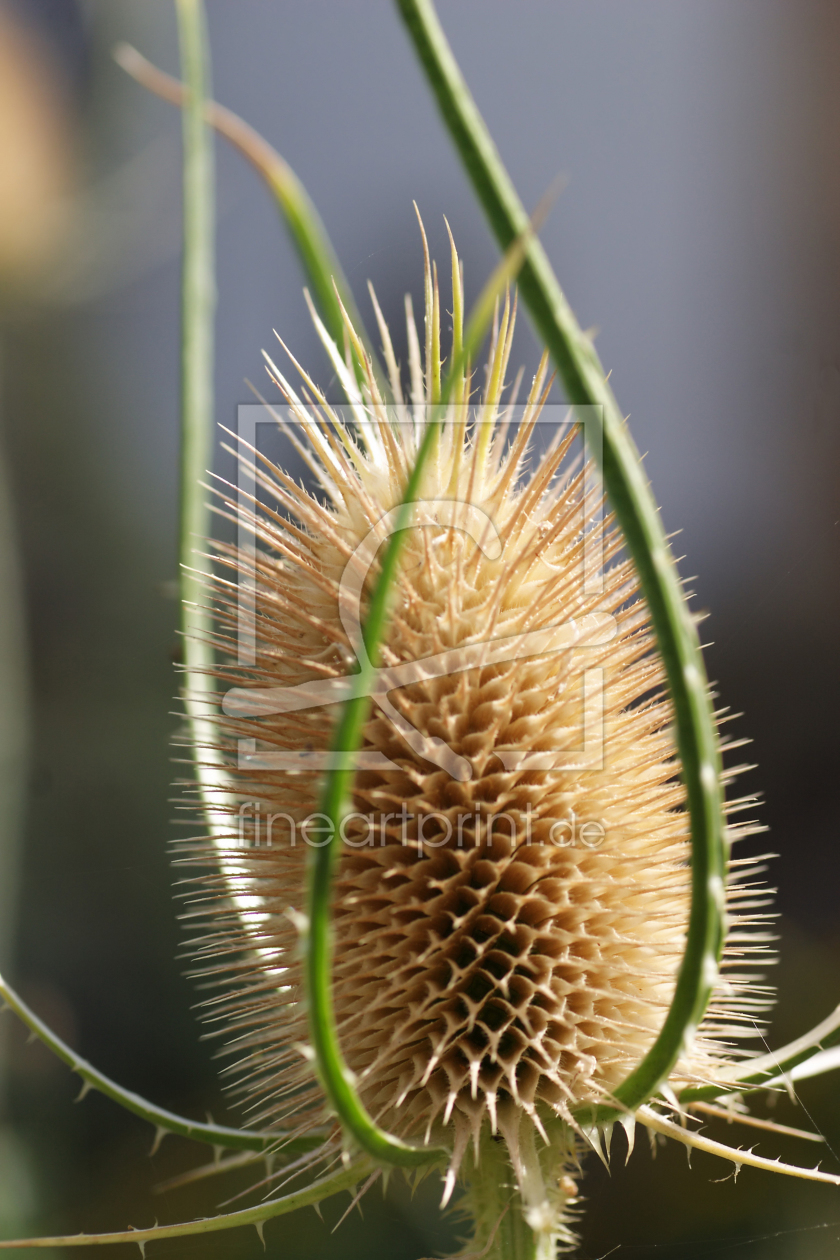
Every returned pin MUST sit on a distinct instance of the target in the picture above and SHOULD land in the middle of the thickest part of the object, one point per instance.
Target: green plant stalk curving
(318, 258)
(772, 1068)
(163, 1120)
(345, 1178)
(335, 1076)
(198, 302)
(635, 509)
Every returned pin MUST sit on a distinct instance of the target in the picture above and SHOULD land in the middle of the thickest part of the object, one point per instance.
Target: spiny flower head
(511, 908)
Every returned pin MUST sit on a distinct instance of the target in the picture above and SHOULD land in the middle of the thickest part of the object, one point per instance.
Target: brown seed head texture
(488, 973)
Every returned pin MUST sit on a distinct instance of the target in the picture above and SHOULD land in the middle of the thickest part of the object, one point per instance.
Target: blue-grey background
(698, 229)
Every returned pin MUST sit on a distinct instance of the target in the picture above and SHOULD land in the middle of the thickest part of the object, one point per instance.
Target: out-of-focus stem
(198, 303)
(309, 236)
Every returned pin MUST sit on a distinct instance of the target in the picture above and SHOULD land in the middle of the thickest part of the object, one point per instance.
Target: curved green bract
(309, 236)
(344, 1179)
(633, 504)
(335, 1076)
(198, 303)
(771, 1067)
(167, 1121)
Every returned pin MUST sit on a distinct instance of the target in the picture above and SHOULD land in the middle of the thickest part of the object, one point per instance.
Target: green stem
(631, 499)
(345, 1179)
(526, 1221)
(337, 1079)
(163, 1120)
(198, 302)
(335, 1075)
(308, 234)
(500, 1231)
(758, 1073)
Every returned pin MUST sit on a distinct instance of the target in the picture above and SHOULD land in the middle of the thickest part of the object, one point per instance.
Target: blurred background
(698, 229)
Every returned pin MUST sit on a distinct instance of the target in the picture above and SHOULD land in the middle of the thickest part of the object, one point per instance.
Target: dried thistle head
(510, 914)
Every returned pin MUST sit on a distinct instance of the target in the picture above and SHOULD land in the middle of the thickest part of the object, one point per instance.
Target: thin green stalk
(759, 1073)
(344, 1179)
(198, 303)
(631, 499)
(335, 1076)
(309, 236)
(163, 1120)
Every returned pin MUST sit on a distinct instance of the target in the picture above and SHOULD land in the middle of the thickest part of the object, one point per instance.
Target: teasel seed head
(494, 969)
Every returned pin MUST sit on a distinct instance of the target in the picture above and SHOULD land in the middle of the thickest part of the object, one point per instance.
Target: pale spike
(651, 1120)
(628, 1124)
